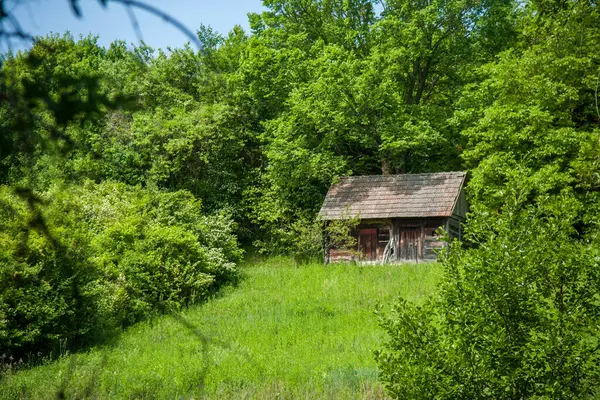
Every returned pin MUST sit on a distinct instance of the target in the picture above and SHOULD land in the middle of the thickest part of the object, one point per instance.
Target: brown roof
(393, 196)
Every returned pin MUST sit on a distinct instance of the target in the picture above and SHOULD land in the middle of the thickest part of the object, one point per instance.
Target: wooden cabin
(399, 215)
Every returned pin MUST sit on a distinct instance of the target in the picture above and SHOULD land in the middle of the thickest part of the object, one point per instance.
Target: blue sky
(40, 17)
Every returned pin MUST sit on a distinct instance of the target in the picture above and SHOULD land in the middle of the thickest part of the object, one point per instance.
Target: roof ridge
(407, 174)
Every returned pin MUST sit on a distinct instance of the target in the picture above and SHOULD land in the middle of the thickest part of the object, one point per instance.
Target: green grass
(283, 332)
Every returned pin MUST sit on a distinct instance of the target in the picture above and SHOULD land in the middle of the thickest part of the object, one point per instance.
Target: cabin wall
(372, 236)
(432, 240)
(454, 228)
(413, 240)
(425, 245)
(461, 207)
(340, 255)
(459, 214)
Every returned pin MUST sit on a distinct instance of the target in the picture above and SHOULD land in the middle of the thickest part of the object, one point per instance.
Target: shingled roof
(393, 196)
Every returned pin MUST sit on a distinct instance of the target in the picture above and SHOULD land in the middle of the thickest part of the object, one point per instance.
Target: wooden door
(367, 242)
(411, 244)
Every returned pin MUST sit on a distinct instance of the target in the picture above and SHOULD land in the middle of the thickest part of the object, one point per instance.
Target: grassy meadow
(282, 332)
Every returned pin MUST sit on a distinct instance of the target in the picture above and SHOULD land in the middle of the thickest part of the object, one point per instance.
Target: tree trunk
(385, 167)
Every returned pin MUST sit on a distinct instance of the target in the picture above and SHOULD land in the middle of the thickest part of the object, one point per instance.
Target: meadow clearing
(284, 331)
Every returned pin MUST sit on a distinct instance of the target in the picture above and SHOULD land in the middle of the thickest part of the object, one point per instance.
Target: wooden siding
(461, 207)
(337, 255)
(432, 241)
(416, 240)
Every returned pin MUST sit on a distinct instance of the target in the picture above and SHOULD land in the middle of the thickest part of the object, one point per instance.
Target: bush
(85, 261)
(46, 285)
(517, 315)
(311, 239)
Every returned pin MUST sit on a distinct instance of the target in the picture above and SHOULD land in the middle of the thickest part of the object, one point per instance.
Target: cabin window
(383, 235)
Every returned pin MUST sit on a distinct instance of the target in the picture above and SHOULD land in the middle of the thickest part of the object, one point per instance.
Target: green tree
(516, 317)
(517, 312)
(381, 105)
(535, 108)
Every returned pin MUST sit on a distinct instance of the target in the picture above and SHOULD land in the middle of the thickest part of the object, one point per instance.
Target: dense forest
(133, 177)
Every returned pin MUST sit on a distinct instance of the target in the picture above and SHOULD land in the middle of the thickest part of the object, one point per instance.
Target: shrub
(46, 284)
(81, 262)
(517, 315)
(310, 240)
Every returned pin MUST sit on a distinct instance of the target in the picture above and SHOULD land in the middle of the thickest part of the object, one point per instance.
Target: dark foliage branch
(132, 4)
(16, 31)
(9, 25)
(70, 106)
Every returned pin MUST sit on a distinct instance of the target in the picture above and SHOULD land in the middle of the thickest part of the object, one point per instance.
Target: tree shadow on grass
(90, 389)
(82, 380)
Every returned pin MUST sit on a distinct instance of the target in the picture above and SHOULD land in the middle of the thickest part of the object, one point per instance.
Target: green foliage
(255, 127)
(47, 286)
(339, 233)
(306, 241)
(535, 109)
(260, 125)
(517, 313)
(105, 256)
(516, 316)
(311, 240)
(343, 22)
(344, 92)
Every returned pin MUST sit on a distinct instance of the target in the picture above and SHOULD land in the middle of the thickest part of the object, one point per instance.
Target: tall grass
(284, 332)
